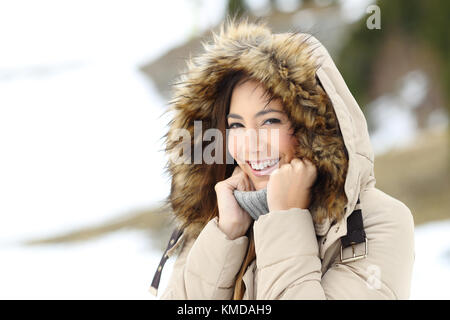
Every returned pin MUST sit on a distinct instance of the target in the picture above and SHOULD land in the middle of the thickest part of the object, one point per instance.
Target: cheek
(233, 145)
(280, 141)
(288, 143)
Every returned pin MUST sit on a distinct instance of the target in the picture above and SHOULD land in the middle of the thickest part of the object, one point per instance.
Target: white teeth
(262, 165)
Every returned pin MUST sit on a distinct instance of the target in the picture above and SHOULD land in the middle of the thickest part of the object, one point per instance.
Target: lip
(265, 171)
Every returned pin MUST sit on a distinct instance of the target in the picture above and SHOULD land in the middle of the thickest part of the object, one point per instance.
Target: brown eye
(273, 120)
(234, 125)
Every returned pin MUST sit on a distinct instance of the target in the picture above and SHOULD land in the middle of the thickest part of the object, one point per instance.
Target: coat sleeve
(207, 266)
(289, 266)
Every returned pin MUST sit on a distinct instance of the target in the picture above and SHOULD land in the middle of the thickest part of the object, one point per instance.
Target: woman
(328, 232)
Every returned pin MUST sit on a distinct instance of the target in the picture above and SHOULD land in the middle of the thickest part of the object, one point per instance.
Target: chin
(260, 185)
(258, 182)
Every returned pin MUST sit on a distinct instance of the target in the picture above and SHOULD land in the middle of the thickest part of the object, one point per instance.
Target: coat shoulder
(386, 210)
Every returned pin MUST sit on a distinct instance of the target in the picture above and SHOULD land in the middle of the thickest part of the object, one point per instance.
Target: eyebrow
(260, 113)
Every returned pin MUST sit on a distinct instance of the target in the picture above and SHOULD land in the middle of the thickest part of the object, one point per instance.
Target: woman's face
(259, 137)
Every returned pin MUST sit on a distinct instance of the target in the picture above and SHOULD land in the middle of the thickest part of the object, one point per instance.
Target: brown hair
(315, 129)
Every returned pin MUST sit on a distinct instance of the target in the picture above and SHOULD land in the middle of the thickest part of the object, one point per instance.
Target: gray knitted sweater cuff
(254, 202)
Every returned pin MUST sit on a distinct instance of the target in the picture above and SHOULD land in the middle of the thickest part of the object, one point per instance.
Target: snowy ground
(117, 266)
(431, 276)
(79, 140)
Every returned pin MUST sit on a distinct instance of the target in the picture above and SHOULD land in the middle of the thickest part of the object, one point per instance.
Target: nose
(255, 144)
(252, 144)
(253, 141)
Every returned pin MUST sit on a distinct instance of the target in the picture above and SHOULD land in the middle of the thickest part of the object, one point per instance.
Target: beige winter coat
(296, 258)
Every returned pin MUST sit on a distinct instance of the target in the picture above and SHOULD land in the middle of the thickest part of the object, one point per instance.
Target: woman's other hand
(233, 220)
(289, 186)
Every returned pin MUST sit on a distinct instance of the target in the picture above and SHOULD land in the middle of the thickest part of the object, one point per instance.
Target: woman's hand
(289, 186)
(233, 220)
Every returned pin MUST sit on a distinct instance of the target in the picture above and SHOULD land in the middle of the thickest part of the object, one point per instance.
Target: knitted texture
(254, 202)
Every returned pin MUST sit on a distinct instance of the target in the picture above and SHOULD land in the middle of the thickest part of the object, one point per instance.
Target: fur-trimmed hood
(290, 65)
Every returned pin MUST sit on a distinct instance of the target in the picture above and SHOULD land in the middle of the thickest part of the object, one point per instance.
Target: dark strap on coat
(176, 234)
(355, 229)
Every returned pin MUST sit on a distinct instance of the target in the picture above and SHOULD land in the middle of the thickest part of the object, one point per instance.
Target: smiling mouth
(263, 166)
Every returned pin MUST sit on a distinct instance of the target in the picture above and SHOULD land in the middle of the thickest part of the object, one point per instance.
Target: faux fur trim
(286, 65)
